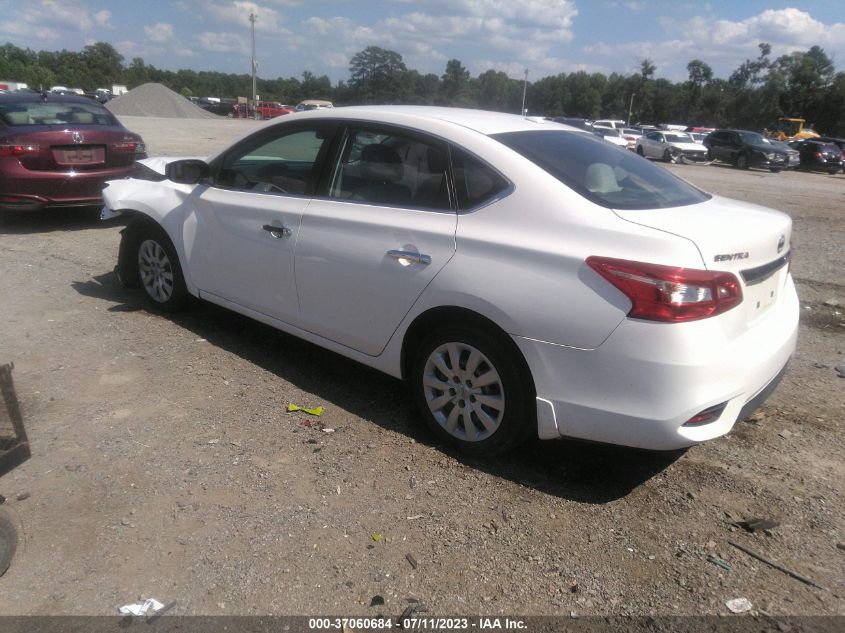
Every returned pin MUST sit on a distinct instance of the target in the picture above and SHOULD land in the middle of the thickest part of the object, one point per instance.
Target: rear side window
(388, 167)
(475, 182)
(607, 175)
(55, 113)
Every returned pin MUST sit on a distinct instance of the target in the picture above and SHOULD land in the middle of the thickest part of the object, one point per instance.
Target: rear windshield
(608, 175)
(55, 113)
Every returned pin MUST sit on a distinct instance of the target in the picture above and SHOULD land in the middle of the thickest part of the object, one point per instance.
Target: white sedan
(523, 276)
(671, 146)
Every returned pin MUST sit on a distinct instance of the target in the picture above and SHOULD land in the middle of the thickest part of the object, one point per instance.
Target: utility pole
(524, 88)
(630, 109)
(252, 17)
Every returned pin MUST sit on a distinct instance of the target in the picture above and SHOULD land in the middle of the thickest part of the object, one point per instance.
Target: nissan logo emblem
(77, 137)
(781, 243)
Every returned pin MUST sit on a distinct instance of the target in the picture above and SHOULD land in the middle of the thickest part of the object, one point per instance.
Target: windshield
(54, 113)
(752, 138)
(607, 175)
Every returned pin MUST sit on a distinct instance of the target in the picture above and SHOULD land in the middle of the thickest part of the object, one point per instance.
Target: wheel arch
(446, 316)
(127, 266)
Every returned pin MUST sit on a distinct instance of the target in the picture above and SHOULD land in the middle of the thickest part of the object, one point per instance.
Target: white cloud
(726, 43)
(224, 42)
(237, 13)
(102, 18)
(159, 33)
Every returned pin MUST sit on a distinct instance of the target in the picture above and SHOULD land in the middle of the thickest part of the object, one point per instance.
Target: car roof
(482, 121)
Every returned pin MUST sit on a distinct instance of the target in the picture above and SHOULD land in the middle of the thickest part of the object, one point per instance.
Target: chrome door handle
(277, 231)
(417, 258)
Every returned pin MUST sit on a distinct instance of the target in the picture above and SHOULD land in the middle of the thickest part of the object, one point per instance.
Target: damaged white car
(671, 147)
(523, 276)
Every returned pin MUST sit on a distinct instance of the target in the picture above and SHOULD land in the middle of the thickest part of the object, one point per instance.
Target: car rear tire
(471, 392)
(774, 170)
(158, 268)
(742, 161)
(667, 156)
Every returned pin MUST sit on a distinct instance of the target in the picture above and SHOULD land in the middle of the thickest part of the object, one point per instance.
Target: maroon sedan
(57, 151)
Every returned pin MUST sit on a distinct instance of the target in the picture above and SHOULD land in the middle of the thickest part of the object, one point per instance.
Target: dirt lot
(164, 462)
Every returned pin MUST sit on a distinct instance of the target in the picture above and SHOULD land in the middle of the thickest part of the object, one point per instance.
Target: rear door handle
(277, 231)
(417, 258)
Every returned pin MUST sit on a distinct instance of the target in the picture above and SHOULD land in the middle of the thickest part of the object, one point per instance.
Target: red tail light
(819, 155)
(18, 150)
(668, 293)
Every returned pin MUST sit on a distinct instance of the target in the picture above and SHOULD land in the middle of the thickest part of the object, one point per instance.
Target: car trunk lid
(747, 240)
(79, 149)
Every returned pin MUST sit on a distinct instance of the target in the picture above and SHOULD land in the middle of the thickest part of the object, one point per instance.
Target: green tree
(376, 75)
(454, 86)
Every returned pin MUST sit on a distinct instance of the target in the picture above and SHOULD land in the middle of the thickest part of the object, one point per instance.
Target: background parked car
(631, 136)
(313, 104)
(744, 149)
(223, 107)
(818, 156)
(271, 109)
(59, 151)
(839, 142)
(669, 146)
(581, 124)
(611, 135)
(611, 123)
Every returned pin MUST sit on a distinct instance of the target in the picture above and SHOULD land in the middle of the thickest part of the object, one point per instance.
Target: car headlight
(771, 155)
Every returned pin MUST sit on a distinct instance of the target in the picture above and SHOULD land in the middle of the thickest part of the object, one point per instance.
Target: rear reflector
(125, 146)
(707, 416)
(667, 293)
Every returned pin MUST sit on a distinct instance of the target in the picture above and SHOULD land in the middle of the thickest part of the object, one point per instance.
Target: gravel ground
(164, 462)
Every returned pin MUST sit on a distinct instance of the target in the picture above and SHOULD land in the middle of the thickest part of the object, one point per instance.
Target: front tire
(667, 156)
(742, 161)
(159, 270)
(471, 391)
(640, 151)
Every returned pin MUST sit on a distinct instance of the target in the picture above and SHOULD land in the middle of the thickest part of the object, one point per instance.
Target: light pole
(252, 17)
(524, 88)
(630, 108)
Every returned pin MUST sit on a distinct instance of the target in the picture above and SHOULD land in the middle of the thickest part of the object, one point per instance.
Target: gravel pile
(155, 100)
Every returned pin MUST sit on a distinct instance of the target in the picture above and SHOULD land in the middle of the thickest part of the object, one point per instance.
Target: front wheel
(640, 151)
(774, 170)
(742, 162)
(667, 156)
(471, 392)
(159, 271)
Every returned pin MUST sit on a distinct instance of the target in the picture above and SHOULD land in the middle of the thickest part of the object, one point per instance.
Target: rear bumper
(29, 190)
(642, 384)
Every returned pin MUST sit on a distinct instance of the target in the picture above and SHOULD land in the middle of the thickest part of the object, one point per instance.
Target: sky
(545, 37)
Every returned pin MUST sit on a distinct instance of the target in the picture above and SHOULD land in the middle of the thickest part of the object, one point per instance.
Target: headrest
(436, 160)
(601, 179)
(381, 163)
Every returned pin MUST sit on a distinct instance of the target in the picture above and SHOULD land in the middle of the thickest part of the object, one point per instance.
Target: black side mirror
(187, 172)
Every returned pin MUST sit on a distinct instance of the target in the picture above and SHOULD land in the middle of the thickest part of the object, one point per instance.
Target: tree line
(800, 84)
